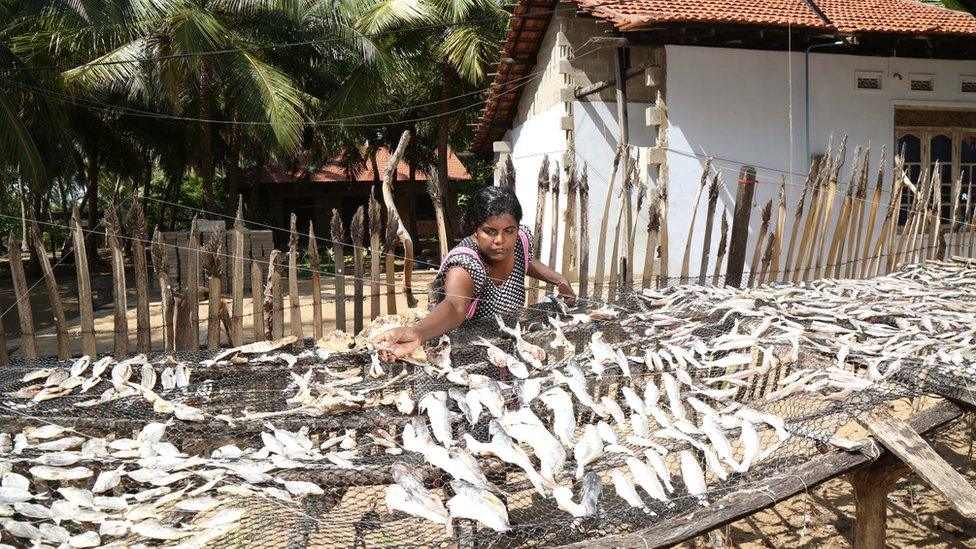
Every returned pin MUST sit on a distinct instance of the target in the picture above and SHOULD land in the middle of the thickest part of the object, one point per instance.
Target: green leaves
(261, 93)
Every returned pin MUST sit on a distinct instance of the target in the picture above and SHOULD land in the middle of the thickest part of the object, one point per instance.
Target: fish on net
(640, 409)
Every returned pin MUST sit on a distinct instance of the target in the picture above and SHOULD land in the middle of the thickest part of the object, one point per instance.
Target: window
(954, 149)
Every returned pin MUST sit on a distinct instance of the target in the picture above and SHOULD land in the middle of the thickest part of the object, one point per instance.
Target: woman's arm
(541, 271)
(446, 315)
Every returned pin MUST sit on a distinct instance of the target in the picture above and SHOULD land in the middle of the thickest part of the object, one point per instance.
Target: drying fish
(633, 401)
(564, 417)
(472, 502)
(625, 489)
(588, 449)
(439, 356)
(153, 529)
(560, 340)
(501, 359)
(646, 479)
(603, 313)
(592, 488)
(525, 427)
(531, 353)
(656, 461)
(674, 396)
(45, 472)
(107, 480)
(400, 499)
(528, 389)
(505, 449)
(578, 386)
(693, 476)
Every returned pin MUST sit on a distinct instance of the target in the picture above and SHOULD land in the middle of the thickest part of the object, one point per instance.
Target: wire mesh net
(547, 427)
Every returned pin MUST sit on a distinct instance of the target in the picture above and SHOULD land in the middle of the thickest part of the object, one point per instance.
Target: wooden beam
(904, 442)
(339, 258)
(61, 324)
(597, 87)
(294, 302)
(313, 263)
(740, 226)
(744, 503)
(211, 259)
(237, 280)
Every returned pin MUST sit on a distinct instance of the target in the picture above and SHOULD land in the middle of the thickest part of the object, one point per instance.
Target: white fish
(45, 472)
(693, 476)
(525, 427)
(110, 503)
(490, 395)
(416, 436)
(638, 424)
(625, 489)
(731, 360)
(404, 404)
(15, 480)
(183, 372)
(459, 463)
(773, 421)
(503, 360)
(33, 510)
(460, 399)
(588, 449)
(473, 503)
(564, 416)
(505, 449)
(23, 530)
(751, 444)
(121, 373)
(606, 433)
(302, 488)
(45, 432)
(37, 374)
(622, 363)
(100, 365)
(107, 480)
(167, 379)
(713, 463)
(153, 529)
(432, 509)
(614, 409)
(114, 528)
(653, 361)
(528, 389)
(655, 459)
(77, 496)
(704, 409)
(717, 394)
(674, 396)
(602, 352)
(54, 533)
(560, 340)
(646, 479)
(651, 394)
(578, 386)
(148, 377)
(592, 488)
(201, 504)
(633, 401)
(721, 444)
(435, 405)
(531, 353)
(58, 445)
(660, 417)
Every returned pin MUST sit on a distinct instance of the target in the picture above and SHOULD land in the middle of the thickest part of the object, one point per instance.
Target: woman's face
(496, 236)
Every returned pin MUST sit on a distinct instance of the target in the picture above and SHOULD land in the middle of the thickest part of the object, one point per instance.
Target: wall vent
(967, 84)
(865, 80)
(921, 82)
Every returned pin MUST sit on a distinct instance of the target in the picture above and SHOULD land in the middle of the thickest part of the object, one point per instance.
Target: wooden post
(357, 231)
(4, 358)
(274, 314)
(778, 233)
(767, 258)
(797, 219)
(662, 204)
(85, 307)
(686, 258)
(583, 185)
(402, 233)
(740, 226)
(653, 226)
(601, 251)
(28, 342)
(294, 303)
(954, 215)
(843, 218)
(237, 280)
(161, 268)
(884, 244)
(570, 223)
(257, 302)
(620, 65)
(802, 265)
(508, 173)
(392, 223)
(829, 206)
(61, 325)
(313, 261)
(854, 241)
(137, 231)
(709, 222)
(722, 245)
(211, 260)
(767, 213)
(375, 236)
(871, 485)
(873, 216)
(435, 190)
(936, 214)
(340, 268)
(540, 212)
(554, 220)
(112, 233)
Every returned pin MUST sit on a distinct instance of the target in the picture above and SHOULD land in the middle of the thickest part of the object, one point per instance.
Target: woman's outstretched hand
(397, 343)
(565, 290)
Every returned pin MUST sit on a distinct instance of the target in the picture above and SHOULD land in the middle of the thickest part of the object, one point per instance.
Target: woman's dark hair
(489, 202)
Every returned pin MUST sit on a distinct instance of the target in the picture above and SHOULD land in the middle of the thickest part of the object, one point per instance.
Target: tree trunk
(448, 187)
(177, 183)
(91, 175)
(206, 140)
(233, 170)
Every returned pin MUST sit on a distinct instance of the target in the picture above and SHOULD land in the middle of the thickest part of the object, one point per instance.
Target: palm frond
(17, 148)
(387, 14)
(261, 93)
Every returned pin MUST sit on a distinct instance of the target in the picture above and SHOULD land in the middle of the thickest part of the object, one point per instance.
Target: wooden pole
(392, 223)
(161, 268)
(540, 212)
(860, 200)
(601, 250)
(778, 233)
(653, 227)
(622, 118)
(340, 268)
(767, 258)
(954, 215)
(357, 230)
(615, 277)
(257, 302)
(554, 220)
(871, 485)
(211, 260)
(970, 230)
(829, 206)
(188, 309)
(642, 191)
(85, 307)
(436, 191)
(313, 260)
(375, 236)
(28, 341)
(804, 256)
(925, 194)
(402, 233)
(767, 213)
(583, 185)
(873, 216)
(662, 204)
(294, 302)
(722, 245)
(61, 324)
(797, 219)
(137, 230)
(570, 223)
(709, 222)
(907, 243)
(273, 313)
(112, 233)
(740, 226)
(4, 357)
(884, 246)
(843, 221)
(936, 214)
(686, 258)
(237, 274)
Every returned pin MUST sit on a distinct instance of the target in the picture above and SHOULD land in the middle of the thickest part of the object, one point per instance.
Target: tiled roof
(896, 17)
(333, 172)
(631, 14)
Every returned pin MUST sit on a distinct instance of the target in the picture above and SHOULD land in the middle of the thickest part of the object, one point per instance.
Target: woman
(481, 277)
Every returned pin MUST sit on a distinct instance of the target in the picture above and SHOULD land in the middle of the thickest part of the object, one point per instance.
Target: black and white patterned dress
(492, 298)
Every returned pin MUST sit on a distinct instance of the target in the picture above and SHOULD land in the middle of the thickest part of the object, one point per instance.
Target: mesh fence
(640, 409)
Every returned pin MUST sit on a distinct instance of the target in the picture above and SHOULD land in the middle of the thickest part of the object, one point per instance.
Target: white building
(762, 83)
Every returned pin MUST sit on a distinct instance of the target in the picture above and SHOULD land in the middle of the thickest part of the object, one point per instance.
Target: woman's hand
(397, 343)
(565, 289)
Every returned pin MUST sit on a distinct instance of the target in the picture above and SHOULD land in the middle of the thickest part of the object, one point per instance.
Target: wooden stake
(570, 223)
(402, 233)
(804, 252)
(508, 173)
(722, 244)
(884, 246)
(873, 216)
(953, 219)
(843, 220)
(554, 220)
(871, 485)
(137, 230)
(740, 226)
(314, 265)
(829, 206)
(601, 250)
(257, 302)
(970, 230)
(4, 357)
(907, 245)
(642, 191)
(392, 223)
(767, 258)
(922, 215)
(28, 341)
(274, 315)
(161, 268)
(767, 213)
(210, 257)
(662, 205)
(709, 221)
(85, 307)
(583, 185)
(779, 232)
(686, 258)
(615, 276)
(294, 302)
(797, 221)
(375, 236)
(816, 212)
(340, 269)
(357, 230)
(540, 211)
(935, 214)
(860, 200)
(436, 192)
(237, 277)
(653, 228)
(112, 233)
